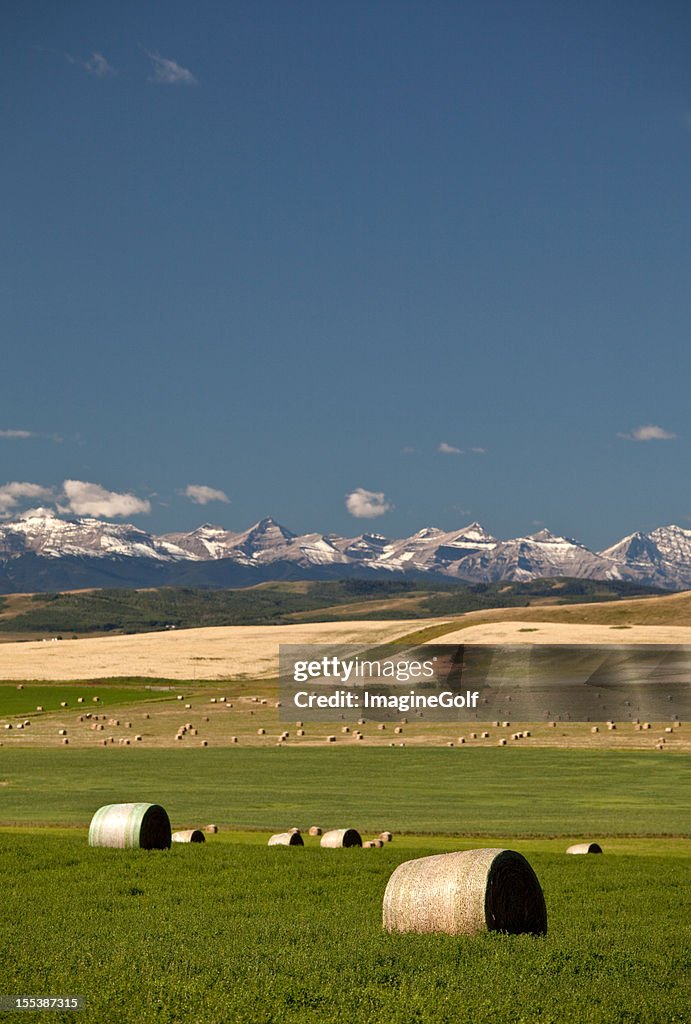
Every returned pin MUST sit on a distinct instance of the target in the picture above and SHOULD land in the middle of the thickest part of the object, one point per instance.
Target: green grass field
(234, 932)
(491, 791)
(23, 699)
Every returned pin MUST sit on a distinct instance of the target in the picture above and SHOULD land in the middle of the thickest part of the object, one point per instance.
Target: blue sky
(291, 253)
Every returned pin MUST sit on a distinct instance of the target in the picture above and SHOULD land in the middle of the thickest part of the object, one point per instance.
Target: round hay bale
(484, 735)
(63, 703)
(595, 728)
(66, 742)
(585, 848)
(299, 725)
(386, 837)
(382, 726)
(62, 732)
(189, 835)
(261, 732)
(338, 838)
(330, 739)
(137, 739)
(369, 845)
(450, 743)
(131, 826)
(502, 742)
(80, 700)
(300, 732)
(233, 739)
(398, 730)
(461, 739)
(211, 830)
(39, 707)
(286, 839)
(345, 728)
(315, 830)
(487, 890)
(95, 700)
(359, 736)
(204, 743)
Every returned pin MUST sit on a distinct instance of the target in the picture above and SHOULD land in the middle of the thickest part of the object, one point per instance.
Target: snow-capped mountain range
(41, 551)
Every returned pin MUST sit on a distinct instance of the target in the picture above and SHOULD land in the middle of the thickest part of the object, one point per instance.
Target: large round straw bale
(585, 848)
(315, 830)
(341, 837)
(189, 835)
(286, 839)
(123, 826)
(464, 894)
(261, 732)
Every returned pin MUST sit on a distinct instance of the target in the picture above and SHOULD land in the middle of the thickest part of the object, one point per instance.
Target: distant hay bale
(484, 736)
(95, 700)
(495, 724)
(189, 835)
(330, 739)
(359, 736)
(611, 726)
(300, 732)
(188, 706)
(552, 725)
(386, 837)
(668, 729)
(338, 838)
(233, 739)
(595, 728)
(461, 739)
(315, 830)
(66, 742)
(361, 721)
(261, 732)
(502, 742)
(369, 845)
(506, 725)
(137, 739)
(646, 725)
(131, 826)
(80, 700)
(450, 743)
(63, 703)
(382, 726)
(286, 839)
(62, 732)
(465, 893)
(204, 743)
(398, 730)
(181, 696)
(39, 707)
(585, 848)
(299, 725)
(345, 728)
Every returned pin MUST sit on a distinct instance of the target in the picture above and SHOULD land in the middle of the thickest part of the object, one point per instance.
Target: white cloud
(169, 72)
(650, 432)
(200, 494)
(12, 435)
(98, 66)
(449, 449)
(12, 494)
(479, 451)
(367, 504)
(87, 499)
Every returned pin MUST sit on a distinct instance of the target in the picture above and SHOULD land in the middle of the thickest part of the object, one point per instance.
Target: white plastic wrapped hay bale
(131, 826)
(315, 830)
(286, 839)
(487, 890)
(189, 835)
(338, 838)
(386, 837)
(585, 848)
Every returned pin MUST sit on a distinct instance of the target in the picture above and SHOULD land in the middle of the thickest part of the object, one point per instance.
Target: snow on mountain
(43, 533)
(661, 558)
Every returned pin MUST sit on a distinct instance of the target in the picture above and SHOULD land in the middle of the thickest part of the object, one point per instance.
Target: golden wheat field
(216, 652)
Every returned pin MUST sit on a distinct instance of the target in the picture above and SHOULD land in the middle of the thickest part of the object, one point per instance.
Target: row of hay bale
(142, 826)
(336, 838)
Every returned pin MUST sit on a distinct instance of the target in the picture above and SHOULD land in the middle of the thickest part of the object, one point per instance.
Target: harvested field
(219, 652)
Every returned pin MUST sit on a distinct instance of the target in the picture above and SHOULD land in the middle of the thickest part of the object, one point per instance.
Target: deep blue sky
(329, 238)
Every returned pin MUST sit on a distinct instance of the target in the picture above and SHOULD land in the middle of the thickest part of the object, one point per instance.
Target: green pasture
(486, 792)
(234, 932)
(24, 698)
